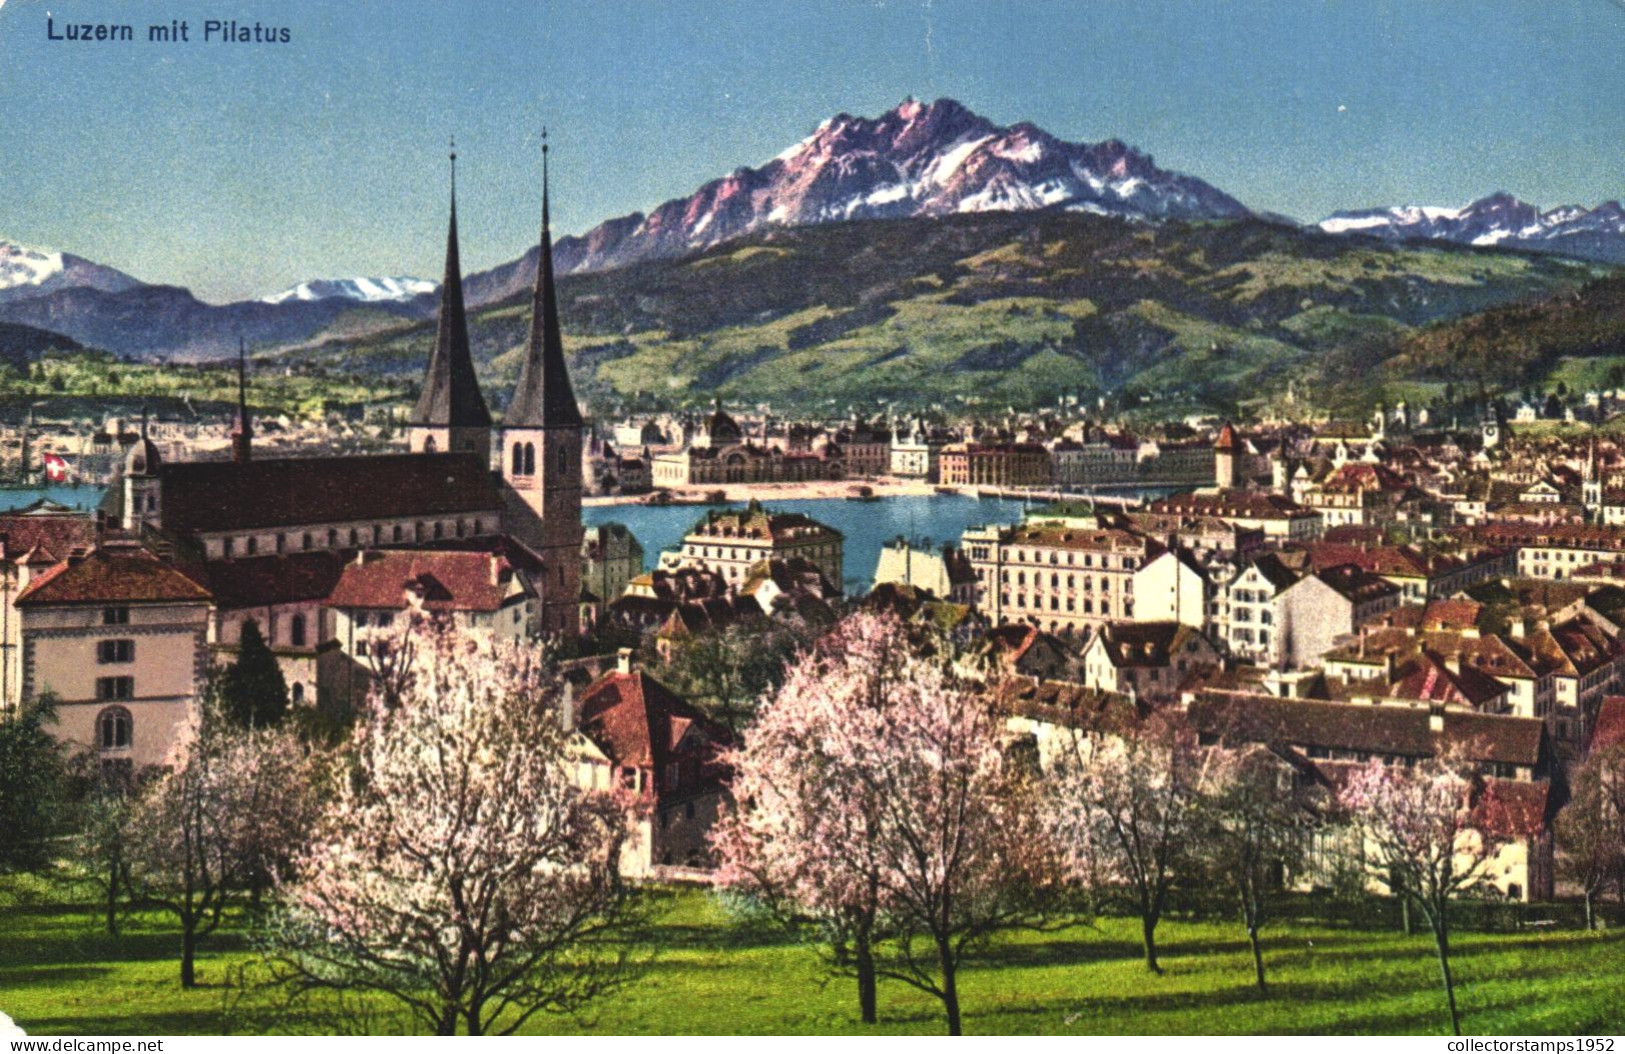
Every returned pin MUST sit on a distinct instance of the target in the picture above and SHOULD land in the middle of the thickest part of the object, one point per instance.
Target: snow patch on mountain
(393, 288)
(23, 266)
(1498, 220)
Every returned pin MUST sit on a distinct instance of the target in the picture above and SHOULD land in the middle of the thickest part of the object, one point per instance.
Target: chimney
(623, 660)
(1436, 719)
(567, 707)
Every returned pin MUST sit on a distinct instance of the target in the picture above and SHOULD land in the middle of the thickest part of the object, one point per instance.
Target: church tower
(451, 415)
(242, 431)
(1591, 485)
(541, 450)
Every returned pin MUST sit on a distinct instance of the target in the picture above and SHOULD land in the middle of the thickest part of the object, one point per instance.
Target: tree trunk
(471, 1019)
(188, 953)
(448, 1021)
(950, 988)
(1148, 930)
(1591, 911)
(1405, 916)
(866, 978)
(1441, 937)
(1258, 955)
(112, 899)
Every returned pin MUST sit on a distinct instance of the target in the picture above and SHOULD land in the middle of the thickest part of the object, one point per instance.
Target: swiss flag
(56, 469)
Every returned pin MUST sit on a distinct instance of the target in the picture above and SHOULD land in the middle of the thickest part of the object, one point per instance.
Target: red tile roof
(122, 574)
(55, 533)
(641, 723)
(448, 580)
(262, 580)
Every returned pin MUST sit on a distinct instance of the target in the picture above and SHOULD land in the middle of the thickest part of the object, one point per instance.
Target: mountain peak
(1501, 218)
(916, 159)
(392, 288)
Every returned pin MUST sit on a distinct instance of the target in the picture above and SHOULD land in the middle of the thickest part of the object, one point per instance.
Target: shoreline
(738, 493)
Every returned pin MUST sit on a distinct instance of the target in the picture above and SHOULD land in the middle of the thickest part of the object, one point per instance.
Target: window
(361, 619)
(674, 775)
(253, 545)
(115, 616)
(530, 459)
(114, 729)
(296, 631)
(439, 530)
(518, 460)
(229, 546)
(398, 532)
(305, 541)
(333, 537)
(115, 651)
(297, 694)
(115, 688)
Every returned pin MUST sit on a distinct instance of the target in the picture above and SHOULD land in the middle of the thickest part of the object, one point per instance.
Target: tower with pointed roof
(451, 415)
(541, 449)
(242, 432)
(1591, 484)
(1225, 449)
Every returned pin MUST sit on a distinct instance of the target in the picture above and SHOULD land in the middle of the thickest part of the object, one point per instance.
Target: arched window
(530, 459)
(297, 694)
(429, 446)
(296, 631)
(114, 729)
(518, 460)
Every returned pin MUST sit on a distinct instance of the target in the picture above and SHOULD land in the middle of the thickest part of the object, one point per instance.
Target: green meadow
(61, 973)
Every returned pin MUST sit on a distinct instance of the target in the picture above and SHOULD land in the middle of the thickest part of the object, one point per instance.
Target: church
(478, 521)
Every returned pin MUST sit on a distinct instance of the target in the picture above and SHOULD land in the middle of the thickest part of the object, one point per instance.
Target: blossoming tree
(460, 870)
(876, 797)
(1417, 838)
(1120, 806)
(232, 804)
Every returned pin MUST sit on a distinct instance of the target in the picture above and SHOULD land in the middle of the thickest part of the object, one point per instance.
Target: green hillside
(990, 309)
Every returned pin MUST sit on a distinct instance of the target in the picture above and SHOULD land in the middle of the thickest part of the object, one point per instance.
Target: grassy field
(61, 973)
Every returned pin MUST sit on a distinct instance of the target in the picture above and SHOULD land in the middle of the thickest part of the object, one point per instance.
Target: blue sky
(239, 169)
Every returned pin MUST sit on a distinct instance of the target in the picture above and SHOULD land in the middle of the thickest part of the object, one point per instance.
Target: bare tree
(1591, 828)
(1254, 826)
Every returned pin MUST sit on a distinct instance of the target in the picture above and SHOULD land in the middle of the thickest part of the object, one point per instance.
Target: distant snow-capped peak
(364, 290)
(1500, 219)
(22, 266)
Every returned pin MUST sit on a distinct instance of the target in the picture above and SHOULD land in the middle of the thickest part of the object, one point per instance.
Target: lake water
(78, 498)
(867, 525)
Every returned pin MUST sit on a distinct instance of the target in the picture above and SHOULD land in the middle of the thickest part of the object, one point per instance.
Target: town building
(733, 542)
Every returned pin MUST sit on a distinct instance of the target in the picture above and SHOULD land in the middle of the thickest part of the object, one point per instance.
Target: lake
(77, 498)
(867, 525)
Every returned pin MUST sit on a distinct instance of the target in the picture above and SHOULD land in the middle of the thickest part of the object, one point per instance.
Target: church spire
(543, 398)
(451, 392)
(242, 433)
